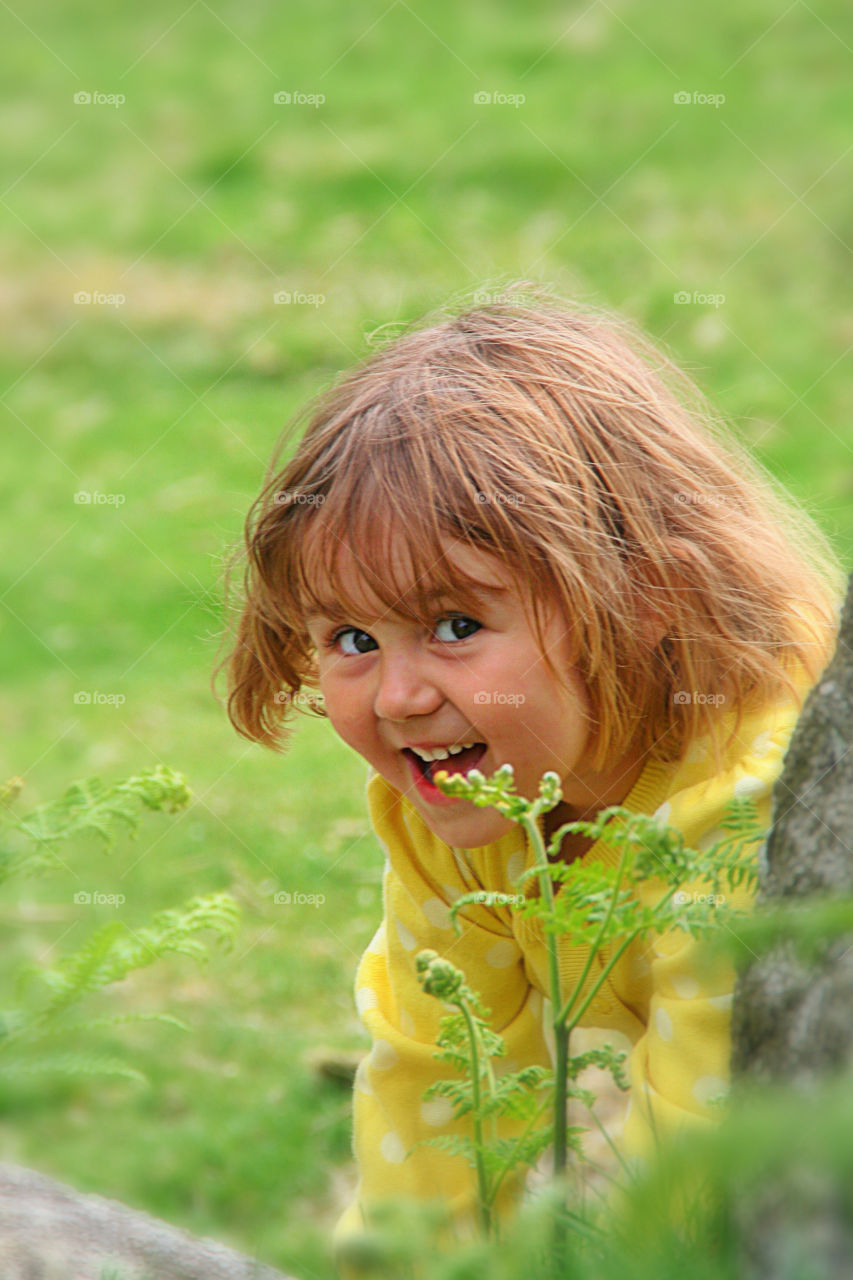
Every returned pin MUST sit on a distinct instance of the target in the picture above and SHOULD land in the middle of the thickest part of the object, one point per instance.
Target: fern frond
(116, 950)
(70, 1065)
(88, 807)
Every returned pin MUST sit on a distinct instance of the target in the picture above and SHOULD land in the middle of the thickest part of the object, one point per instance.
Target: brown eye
(331, 643)
(460, 621)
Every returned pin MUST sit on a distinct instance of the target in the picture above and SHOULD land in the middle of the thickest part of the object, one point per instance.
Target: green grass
(397, 192)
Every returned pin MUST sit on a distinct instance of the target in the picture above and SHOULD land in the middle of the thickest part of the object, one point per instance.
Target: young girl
(517, 535)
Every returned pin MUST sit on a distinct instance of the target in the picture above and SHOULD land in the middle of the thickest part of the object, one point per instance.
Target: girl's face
(391, 685)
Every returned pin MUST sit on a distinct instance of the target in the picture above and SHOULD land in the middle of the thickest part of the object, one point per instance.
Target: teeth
(441, 753)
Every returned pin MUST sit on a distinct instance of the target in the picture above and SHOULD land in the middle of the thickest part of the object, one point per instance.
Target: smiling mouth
(462, 762)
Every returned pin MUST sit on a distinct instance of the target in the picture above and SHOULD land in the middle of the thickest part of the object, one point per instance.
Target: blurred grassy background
(198, 198)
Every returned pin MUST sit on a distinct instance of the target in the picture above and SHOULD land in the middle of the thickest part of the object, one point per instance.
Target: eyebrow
(332, 609)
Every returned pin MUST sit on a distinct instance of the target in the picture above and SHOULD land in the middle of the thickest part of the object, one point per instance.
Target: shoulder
(700, 791)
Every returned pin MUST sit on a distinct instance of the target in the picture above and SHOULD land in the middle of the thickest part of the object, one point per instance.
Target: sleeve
(680, 1064)
(422, 878)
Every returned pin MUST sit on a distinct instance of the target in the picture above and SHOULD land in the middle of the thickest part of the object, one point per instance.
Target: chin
(471, 834)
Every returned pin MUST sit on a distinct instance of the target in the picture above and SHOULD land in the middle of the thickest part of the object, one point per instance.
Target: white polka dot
(514, 866)
(437, 1112)
(365, 998)
(761, 745)
(685, 986)
(383, 1055)
(361, 1081)
(437, 913)
(663, 1023)
(407, 1023)
(707, 1087)
(721, 1002)
(749, 786)
(407, 938)
(661, 815)
(392, 1149)
(534, 1003)
(377, 943)
(502, 954)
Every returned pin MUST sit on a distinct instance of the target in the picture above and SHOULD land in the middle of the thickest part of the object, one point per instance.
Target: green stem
(561, 1034)
(594, 947)
(482, 1179)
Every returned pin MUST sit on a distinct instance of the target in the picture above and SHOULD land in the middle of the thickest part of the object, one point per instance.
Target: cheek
(342, 708)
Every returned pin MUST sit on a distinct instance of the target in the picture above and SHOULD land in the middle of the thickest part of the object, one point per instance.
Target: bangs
(368, 551)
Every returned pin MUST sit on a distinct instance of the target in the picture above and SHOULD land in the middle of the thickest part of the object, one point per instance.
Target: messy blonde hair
(558, 439)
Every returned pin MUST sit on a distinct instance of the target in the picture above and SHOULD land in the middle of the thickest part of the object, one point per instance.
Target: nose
(404, 689)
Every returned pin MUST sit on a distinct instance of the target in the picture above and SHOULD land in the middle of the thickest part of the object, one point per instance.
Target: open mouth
(462, 762)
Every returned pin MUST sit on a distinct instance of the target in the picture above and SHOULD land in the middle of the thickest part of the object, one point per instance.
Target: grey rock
(49, 1231)
(791, 1019)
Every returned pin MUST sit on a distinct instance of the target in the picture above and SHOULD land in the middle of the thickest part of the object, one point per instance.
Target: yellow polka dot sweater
(674, 1010)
